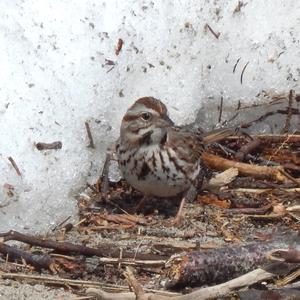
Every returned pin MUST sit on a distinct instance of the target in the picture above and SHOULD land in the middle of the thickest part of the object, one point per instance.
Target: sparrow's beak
(168, 120)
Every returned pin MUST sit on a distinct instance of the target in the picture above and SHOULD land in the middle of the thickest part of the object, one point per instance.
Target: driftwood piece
(260, 172)
(105, 250)
(198, 268)
(134, 284)
(202, 294)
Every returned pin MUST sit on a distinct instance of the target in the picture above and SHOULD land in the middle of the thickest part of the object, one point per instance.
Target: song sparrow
(156, 157)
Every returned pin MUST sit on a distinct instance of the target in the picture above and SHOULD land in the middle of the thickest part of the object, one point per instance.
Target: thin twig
(290, 177)
(242, 74)
(285, 141)
(15, 166)
(216, 35)
(61, 223)
(290, 113)
(221, 110)
(234, 68)
(88, 131)
(103, 250)
(73, 282)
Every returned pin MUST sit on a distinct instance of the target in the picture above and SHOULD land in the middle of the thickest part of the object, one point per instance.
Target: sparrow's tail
(216, 135)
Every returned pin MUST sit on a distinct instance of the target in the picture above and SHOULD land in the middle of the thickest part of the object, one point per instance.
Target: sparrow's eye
(146, 116)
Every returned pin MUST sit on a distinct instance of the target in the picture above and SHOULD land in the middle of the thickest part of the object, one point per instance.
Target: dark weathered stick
(247, 149)
(249, 210)
(248, 157)
(198, 268)
(289, 114)
(105, 250)
(49, 146)
(221, 110)
(293, 111)
(216, 35)
(233, 71)
(242, 74)
(273, 138)
(43, 261)
(89, 133)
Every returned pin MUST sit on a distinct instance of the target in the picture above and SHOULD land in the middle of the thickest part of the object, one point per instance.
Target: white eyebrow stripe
(141, 108)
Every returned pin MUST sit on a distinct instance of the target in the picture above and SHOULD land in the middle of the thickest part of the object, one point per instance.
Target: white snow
(54, 78)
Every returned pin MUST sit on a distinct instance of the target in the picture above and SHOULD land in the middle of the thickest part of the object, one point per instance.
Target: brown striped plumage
(155, 157)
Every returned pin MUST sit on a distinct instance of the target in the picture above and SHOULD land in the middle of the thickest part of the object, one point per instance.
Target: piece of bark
(49, 146)
(198, 268)
(119, 46)
(260, 172)
(224, 178)
(286, 255)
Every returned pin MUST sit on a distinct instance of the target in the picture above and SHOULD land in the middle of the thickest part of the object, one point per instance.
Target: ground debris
(256, 196)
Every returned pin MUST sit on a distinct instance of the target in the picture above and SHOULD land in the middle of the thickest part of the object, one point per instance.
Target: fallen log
(197, 268)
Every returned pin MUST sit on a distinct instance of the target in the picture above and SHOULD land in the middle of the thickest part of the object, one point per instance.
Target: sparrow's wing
(188, 147)
(216, 135)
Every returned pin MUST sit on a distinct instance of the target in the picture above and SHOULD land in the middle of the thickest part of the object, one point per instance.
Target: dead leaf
(214, 200)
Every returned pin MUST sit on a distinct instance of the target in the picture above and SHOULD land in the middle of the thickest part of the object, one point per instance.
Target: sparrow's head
(146, 119)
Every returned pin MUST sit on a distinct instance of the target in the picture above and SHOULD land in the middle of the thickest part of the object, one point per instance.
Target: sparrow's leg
(178, 220)
(189, 196)
(141, 205)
